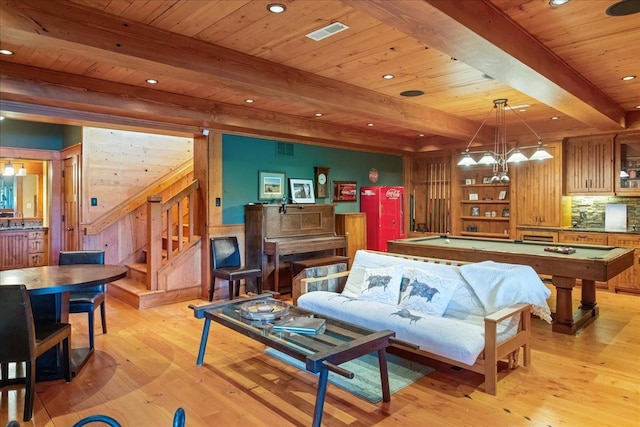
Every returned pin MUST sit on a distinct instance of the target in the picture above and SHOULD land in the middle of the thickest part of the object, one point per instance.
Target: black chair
(225, 258)
(179, 419)
(22, 341)
(89, 298)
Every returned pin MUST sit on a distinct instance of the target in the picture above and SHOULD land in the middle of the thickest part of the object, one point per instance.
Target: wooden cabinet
(37, 248)
(538, 235)
(485, 209)
(23, 248)
(14, 249)
(628, 280)
(354, 226)
(538, 195)
(627, 165)
(583, 238)
(589, 165)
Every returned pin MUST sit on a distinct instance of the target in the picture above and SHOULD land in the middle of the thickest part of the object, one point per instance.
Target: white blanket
(499, 285)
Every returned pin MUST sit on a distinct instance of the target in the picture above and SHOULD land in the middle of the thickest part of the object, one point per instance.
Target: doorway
(70, 203)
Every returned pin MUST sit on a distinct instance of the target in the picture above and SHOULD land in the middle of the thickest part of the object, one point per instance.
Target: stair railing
(166, 229)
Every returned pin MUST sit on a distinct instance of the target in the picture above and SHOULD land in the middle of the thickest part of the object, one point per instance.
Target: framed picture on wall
(345, 191)
(301, 190)
(271, 185)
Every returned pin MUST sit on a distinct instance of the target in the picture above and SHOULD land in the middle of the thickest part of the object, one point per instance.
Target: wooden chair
(225, 259)
(23, 341)
(89, 298)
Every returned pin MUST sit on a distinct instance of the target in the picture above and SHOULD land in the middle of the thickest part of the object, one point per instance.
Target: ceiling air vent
(327, 31)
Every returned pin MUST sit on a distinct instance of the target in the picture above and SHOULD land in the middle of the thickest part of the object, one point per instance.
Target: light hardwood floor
(144, 369)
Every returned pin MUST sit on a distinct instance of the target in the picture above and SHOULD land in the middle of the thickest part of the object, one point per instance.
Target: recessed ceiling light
(152, 81)
(410, 93)
(249, 101)
(555, 118)
(276, 8)
(388, 76)
(421, 135)
(626, 78)
(318, 114)
(556, 3)
(638, 107)
(370, 124)
(2, 117)
(5, 52)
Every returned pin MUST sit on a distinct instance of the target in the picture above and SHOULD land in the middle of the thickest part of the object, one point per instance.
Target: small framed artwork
(502, 195)
(271, 185)
(345, 191)
(475, 211)
(473, 196)
(505, 213)
(486, 180)
(468, 181)
(301, 190)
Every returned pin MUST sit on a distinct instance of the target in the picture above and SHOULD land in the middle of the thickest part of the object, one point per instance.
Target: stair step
(137, 271)
(131, 285)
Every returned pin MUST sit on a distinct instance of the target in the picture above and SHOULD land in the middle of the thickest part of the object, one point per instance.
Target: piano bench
(298, 266)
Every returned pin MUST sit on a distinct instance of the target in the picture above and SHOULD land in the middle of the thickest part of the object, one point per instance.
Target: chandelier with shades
(501, 155)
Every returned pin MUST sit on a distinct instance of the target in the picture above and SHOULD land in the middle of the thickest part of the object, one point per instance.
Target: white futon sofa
(469, 315)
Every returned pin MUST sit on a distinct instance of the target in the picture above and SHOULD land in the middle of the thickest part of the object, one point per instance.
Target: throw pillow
(426, 291)
(381, 285)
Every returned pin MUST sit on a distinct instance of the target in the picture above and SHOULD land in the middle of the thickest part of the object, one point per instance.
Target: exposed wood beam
(478, 34)
(94, 34)
(100, 101)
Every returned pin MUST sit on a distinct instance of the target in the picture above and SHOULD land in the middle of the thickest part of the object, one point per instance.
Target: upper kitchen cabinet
(538, 192)
(627, 165)
(589, 165)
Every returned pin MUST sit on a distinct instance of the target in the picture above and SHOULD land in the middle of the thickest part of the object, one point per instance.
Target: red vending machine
(384, 206)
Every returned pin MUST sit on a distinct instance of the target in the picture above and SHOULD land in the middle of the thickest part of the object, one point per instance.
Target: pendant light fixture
(501, 156)
(22, 171)
(8, 169)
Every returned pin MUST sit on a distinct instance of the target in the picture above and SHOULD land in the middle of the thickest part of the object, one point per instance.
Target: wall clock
(322, 182)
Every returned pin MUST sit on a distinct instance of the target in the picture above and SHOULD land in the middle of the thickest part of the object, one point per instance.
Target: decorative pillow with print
(426, 291)
(381, 285)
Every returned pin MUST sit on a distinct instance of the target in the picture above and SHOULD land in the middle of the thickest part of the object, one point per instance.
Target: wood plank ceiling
(86, 61)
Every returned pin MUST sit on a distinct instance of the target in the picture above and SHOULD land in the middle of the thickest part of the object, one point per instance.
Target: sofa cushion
(365, 259)
(381, 284)
(456, 339)
(427, 291)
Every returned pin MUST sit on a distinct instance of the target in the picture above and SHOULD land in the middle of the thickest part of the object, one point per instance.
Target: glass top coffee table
(337, 342)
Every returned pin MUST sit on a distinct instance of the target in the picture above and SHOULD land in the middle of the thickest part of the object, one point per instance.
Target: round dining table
(49, 288)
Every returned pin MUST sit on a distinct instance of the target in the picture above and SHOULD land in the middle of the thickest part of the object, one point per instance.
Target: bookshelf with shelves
(485, 209)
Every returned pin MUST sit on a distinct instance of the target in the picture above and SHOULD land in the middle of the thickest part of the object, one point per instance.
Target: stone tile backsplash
(589, 211)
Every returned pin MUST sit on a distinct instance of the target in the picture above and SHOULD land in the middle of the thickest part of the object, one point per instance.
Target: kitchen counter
(581, 229)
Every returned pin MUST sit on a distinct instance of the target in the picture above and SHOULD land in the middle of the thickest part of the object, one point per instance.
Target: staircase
(167, 268)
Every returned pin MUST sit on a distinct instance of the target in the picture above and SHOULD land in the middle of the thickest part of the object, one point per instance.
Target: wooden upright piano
(276, 235)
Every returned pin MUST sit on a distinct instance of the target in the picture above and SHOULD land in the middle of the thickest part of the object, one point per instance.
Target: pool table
(589, 263)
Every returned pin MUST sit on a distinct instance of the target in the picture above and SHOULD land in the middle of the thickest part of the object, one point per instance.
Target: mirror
(21, 196)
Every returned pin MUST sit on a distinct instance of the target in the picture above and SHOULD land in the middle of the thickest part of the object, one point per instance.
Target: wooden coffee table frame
(327, 355)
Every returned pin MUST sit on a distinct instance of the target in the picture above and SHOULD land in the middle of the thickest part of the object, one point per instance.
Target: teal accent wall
(243, 157)
(71, 135)
(23, 134)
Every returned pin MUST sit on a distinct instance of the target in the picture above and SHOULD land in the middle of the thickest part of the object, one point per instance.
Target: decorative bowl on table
(264, 310)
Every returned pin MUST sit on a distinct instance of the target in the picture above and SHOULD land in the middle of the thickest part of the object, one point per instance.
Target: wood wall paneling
(118, 164)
